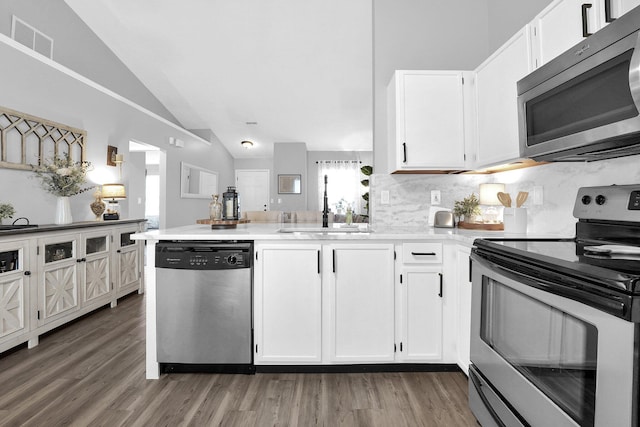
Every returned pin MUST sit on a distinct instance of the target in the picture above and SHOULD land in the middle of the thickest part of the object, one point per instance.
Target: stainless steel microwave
(584, 105)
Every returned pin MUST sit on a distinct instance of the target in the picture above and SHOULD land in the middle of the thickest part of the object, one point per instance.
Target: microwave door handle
(634, 73)
(585, 19)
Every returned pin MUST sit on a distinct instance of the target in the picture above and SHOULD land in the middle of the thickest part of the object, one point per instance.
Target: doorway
(253, 188)
(154, 181)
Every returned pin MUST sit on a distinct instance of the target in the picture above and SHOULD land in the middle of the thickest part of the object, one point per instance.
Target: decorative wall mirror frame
(289, 184)
(197, 182)
(27, 140)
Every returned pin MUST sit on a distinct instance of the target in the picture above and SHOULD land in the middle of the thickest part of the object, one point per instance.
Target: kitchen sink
(325, 230)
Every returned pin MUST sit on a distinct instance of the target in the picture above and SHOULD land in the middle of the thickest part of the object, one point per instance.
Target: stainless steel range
(555, 323)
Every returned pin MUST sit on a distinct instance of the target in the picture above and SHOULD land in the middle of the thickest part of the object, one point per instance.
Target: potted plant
(467, 209)
(63, 178)
(366, 171)
(6, 211)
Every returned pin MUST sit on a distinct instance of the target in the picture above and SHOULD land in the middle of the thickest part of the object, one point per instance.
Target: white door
(252, 186)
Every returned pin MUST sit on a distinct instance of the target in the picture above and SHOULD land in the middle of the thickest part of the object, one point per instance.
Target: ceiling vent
(27, 35)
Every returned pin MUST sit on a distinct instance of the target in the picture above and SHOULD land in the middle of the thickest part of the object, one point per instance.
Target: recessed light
(247, 144)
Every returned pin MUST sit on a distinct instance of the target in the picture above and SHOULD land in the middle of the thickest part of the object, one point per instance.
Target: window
(344, 188)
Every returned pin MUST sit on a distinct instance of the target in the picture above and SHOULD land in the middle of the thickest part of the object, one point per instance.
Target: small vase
(215, 208)
(63, 211)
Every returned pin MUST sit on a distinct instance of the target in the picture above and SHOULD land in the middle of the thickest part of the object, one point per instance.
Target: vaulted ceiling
(266, 71)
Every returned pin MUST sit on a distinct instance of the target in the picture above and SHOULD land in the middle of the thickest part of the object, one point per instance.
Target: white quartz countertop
(277, 231)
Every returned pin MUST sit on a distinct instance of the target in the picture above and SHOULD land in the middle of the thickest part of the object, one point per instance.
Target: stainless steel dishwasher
(204, 306)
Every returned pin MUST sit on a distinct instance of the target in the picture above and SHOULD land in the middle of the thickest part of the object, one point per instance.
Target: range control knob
(586, 200)
(600, 199)
(231, 259)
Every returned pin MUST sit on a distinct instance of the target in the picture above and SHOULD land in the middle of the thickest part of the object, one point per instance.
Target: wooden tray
(217, 224)
(480, 226)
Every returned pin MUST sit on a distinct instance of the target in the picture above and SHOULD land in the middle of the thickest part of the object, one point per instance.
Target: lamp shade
(113, 191)
(489, 194)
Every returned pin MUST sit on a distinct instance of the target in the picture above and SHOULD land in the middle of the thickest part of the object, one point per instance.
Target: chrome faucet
(325, 210)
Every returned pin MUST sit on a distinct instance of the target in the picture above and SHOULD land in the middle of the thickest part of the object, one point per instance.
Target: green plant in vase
(6, 211)
(366, 171)
(467, 208)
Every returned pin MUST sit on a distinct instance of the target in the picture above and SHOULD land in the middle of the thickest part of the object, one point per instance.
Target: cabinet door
(14, 290)
(58, 290)
(96, 266)
(361, 303)
(429, 120)
(560, 26)
(288, 305)
(496, 100)
(129, 261)
(421, 336)
(464, 308)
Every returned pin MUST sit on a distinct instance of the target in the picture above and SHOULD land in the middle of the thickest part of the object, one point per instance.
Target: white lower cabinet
(129, 257)
(420, 318)
(96, 267)
(288, 304)
(58, 284)
(463, 323)
(361, 303)
(14, 290)
(323, 303)
(50, 278)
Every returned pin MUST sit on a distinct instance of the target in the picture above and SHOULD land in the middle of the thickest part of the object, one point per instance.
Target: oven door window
(555, 351)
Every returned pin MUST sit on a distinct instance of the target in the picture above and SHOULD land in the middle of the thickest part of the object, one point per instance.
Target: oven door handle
(610, 304)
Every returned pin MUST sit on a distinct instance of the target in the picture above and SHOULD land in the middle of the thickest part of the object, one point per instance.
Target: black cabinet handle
(607, 12)
(119, 251)
(404, 152)
(585, 19)
(318, 262)
(423, 253)
(27, 273)
(333, 255)
(440, 294)
(470, 270)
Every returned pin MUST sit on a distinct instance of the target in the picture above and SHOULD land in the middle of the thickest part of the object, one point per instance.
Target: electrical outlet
(384, 197)
(435, 197)
(538, 195)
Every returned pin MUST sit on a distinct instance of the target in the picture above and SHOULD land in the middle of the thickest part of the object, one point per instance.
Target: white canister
(515, 220)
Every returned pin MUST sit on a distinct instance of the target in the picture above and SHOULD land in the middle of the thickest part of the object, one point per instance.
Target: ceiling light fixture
(247, 144)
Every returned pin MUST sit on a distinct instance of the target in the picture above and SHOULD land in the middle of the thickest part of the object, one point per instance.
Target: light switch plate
(435, 197)
(538, 195)
(384, 197)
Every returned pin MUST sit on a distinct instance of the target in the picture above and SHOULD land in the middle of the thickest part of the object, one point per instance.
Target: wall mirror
(197, 182)
(289, 184)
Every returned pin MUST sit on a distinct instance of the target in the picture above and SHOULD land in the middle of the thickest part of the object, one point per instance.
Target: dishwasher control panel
(204, 255)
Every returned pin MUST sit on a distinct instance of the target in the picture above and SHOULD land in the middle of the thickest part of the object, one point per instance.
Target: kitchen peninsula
(345, 295)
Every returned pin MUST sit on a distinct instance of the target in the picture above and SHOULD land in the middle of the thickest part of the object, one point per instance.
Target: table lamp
(489, 197)
(112, 193)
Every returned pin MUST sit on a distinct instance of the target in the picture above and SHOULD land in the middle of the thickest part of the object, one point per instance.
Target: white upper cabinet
(620, 7)
(496, 101)
(426, 115)
(565, 23)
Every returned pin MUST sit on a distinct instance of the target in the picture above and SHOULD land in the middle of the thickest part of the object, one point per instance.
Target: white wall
(410, 194)
(422, 35)
(78, 48)
(506, 17)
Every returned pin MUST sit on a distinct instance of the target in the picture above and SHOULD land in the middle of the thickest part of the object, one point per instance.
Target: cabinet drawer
(422, 253)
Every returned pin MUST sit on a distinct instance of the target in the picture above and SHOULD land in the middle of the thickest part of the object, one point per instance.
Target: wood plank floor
(91, 372)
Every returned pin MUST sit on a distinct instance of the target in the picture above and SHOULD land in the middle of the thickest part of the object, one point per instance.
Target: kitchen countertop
(336, 232)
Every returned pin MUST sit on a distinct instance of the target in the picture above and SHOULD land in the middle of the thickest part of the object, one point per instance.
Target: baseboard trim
(346, 369)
